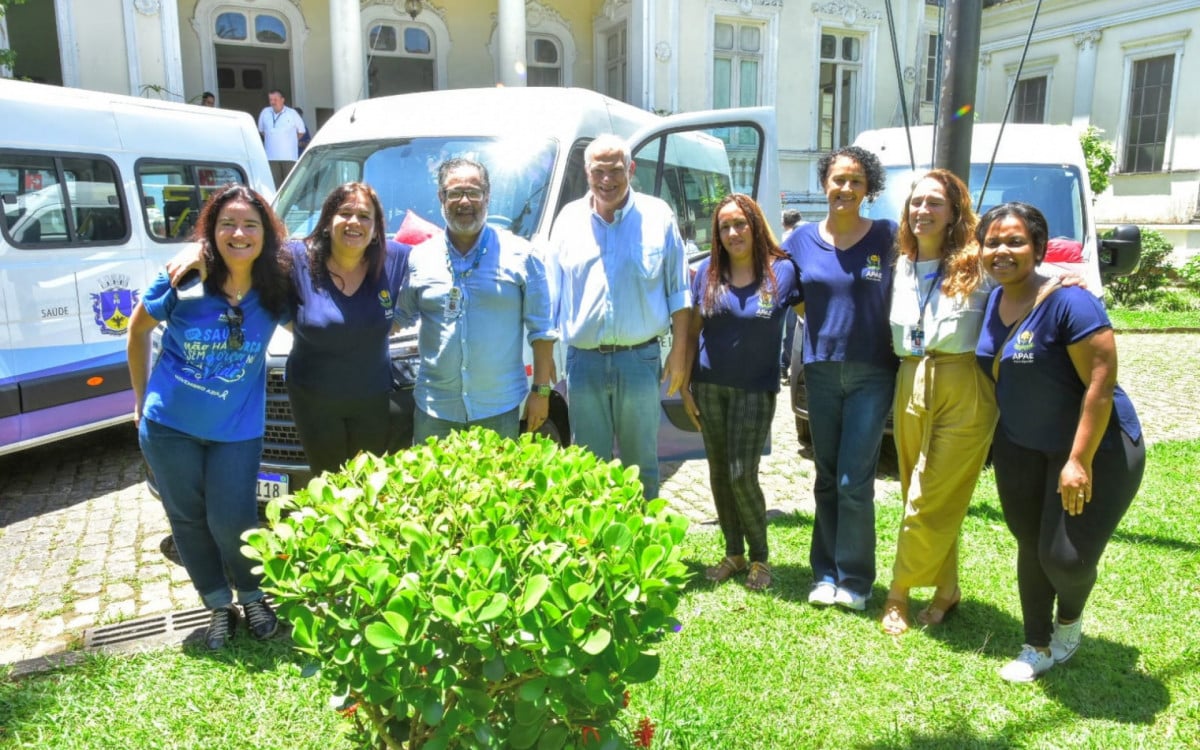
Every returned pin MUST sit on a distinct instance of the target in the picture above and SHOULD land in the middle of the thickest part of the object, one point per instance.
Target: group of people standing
(942, 317)
(945, 319)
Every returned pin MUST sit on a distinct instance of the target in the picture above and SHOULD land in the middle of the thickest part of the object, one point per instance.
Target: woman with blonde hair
(944, 406)
(742, 292)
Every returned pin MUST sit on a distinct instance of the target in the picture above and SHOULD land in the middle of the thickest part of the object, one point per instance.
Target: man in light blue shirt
(618, 276)
(476, 290)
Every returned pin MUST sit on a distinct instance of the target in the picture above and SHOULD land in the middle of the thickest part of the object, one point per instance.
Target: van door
(692, 161)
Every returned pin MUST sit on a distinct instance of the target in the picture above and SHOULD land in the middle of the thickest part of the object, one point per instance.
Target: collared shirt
(472, 362)
(617, 282)
(281, 133)
(950, 324)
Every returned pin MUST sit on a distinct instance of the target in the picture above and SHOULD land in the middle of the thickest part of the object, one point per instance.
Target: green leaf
(580, 591)
(398, 622)
(651, 556)
(444, 606)
(597, 688)
(617, 537)
(496, 607)
(596, 641)
(533, 689)
(554, 738)
(561, 667)
(535, 589)
(382, 636)
(644, 668)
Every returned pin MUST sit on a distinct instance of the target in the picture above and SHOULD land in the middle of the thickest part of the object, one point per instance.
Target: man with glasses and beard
(478, 291)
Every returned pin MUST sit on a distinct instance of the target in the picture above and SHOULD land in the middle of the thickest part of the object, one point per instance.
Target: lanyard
(936, 276)
(460, 277)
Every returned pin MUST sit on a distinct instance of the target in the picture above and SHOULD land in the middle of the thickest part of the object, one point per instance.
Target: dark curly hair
(270, 274)
(1034, 220)
(876, 174)
(320, 247)
(765, 248)
(960, 252)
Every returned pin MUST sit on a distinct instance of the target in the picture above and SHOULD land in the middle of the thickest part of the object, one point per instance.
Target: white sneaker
(1028, 665)
(823, 594)
(1065, 639)
(850, 600)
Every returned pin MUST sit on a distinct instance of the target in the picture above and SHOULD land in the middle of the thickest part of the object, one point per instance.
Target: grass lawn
(754, 671)
(1126, 319)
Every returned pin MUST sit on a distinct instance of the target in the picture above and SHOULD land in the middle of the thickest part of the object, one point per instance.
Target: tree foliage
(1100, 156)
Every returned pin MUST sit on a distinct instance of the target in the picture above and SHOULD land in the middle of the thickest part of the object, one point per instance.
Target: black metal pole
(960, 69)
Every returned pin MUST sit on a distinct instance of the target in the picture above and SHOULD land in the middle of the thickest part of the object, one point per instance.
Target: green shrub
(1189, 274)
(1099, 155)
(478, 592)
(1145, 285)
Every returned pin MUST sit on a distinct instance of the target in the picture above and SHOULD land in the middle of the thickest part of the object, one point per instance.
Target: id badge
(454, 303)
(916, 340)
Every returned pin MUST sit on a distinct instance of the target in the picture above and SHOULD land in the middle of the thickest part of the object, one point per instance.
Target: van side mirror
(1121, 253)
(8, 198)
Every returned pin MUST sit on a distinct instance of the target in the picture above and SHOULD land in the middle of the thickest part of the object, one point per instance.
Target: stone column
(510, 36)
(1085, 77)
(345, 36)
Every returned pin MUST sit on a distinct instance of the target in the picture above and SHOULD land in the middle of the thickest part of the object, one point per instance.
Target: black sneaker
(260, 619)
(221, 627)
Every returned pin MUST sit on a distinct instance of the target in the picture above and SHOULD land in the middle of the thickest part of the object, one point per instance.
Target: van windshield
(1056, 190)
(404, 174)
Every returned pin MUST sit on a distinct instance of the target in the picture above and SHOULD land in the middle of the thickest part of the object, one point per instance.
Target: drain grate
(168, 627)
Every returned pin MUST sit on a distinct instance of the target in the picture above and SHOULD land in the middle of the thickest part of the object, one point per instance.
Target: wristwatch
(541, 390)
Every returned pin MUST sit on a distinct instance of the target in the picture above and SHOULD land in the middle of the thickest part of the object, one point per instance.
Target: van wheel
(803, 432)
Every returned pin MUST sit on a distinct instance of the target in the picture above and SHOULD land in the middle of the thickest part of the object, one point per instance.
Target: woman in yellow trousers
(944, 408)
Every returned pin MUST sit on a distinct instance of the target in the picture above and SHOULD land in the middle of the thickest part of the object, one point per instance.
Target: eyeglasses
(1015, 241)
(472, 194)
(234, 318)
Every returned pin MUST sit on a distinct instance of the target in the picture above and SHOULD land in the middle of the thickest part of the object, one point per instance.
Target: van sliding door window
(173, 193)
(53, 200)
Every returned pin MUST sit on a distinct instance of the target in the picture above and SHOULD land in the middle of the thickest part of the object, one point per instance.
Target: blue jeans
(207, 491)
(507, 425)
(848, 404)
(616, 396)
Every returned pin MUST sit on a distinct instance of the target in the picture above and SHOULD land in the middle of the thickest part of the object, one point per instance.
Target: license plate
(271, 486)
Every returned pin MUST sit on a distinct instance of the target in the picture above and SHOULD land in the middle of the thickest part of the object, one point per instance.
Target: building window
(1029, 104)
(616, 62)
(737, 64)
(544, 66)
(933, 52)
(400, 59)
(1149, 107)
(841, 67)
(269, 29)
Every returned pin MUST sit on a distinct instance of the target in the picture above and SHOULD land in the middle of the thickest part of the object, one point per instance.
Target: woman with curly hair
(845, 262)
(347, 276)
(742, 292)
(945, 407)
(201, 411)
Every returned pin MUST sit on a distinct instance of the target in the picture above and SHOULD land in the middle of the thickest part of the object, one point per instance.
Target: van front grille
(281, 443)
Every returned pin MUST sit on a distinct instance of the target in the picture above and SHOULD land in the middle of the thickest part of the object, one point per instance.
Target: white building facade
(827, 66)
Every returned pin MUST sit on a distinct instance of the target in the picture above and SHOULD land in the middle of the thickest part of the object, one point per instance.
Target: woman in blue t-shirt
(1068, 448)
(742, 292)
(846, 266)
(201, 410)
(347, 276)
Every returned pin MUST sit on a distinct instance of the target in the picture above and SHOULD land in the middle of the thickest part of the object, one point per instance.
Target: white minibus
(532, 141)
(97, 191)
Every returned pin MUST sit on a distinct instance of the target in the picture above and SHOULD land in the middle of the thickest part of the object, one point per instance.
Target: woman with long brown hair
(742, 292)
(944, 407)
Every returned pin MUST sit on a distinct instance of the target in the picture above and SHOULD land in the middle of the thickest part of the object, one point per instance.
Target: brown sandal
(895, 616)
(940, 608)
(759, 577)
(726, 569)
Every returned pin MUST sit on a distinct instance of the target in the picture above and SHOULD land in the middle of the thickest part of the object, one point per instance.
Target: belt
(610, 348)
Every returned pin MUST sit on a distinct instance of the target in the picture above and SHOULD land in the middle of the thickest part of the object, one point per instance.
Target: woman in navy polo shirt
(846, 262)
(742, 292)
(347, 275)
(201, 411)
(1068, 448)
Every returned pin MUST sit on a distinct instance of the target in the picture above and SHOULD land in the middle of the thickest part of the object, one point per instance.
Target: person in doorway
(846, 265)
(479, 293)
(208, 100)
(200, 411)
(1068, 448)
(307, 137)
(619, 281)
(742, 291)
(281, 128)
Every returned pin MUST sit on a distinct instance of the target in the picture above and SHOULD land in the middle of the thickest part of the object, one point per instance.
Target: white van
(97, 191)
(532, 141)
(1042, 165)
